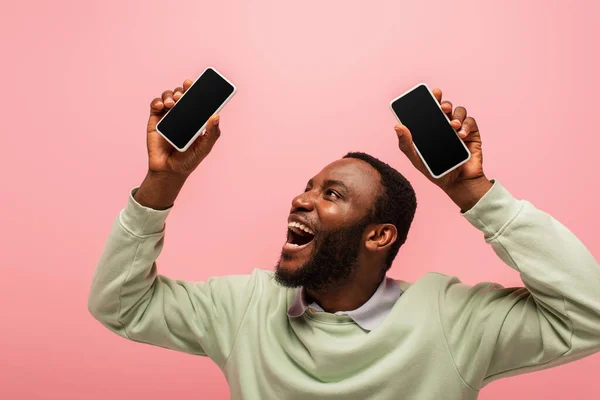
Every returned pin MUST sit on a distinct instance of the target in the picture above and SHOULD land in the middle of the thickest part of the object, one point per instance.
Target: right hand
(164, 158)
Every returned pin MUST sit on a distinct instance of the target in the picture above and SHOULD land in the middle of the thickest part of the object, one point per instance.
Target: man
(328, 322)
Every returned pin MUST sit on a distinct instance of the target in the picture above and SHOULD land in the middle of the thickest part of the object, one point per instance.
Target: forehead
(362, 180)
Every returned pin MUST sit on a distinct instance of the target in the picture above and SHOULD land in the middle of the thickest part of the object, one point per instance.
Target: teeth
(300, 226)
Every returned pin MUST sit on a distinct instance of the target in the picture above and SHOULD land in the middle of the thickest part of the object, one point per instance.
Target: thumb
(406, 144)
(204, 144)
(212, 129)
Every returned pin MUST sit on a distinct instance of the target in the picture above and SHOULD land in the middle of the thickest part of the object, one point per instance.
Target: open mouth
(299, 236)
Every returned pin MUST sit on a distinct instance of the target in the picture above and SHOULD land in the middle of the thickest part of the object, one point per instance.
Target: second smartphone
(186, 120)
(435, 140)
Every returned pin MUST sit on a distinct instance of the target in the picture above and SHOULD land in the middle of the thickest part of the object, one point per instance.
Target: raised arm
(494, 332)
(128, 296)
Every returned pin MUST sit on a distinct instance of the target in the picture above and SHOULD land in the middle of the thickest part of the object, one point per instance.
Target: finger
(186, 84)
(156, 106)
(406, 144)
(177, 93)
(212, 127)
(447, 109)
(469, 126)
(204, 144)
(208, 138)
(167, 98)
(438, 94)
(460, 113)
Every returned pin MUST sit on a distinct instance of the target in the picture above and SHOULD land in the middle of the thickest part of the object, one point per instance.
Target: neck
(348, 295)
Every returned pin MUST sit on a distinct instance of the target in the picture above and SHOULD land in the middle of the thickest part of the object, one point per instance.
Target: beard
(333, 261)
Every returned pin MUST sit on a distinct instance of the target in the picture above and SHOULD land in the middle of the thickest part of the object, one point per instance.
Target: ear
(380, 237)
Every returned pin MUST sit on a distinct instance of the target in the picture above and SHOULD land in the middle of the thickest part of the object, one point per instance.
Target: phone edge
(416, 148)
(191, 141)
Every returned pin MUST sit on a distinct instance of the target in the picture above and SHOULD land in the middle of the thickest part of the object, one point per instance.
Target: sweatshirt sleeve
(494, 332)
(131, 299)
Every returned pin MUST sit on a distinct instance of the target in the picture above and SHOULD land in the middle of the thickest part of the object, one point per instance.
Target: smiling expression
(336, 202)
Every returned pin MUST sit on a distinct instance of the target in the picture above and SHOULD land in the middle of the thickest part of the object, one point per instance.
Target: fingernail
(462, 132)
(216, 121)
(456, 121)
(399, 132)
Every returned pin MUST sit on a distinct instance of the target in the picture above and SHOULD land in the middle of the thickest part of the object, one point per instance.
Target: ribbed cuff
(141, 220)
(494, 210)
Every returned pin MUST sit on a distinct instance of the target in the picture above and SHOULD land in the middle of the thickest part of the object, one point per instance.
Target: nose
(303, 202)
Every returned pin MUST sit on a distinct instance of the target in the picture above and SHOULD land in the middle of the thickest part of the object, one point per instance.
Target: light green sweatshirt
(442, 339)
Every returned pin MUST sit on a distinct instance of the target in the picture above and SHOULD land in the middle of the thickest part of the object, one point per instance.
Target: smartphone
(187, 119)
(435, 140)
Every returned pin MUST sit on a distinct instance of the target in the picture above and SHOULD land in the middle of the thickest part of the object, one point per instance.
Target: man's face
(326, 226)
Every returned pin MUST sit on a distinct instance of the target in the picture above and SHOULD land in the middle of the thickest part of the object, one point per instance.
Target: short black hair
(395, 204)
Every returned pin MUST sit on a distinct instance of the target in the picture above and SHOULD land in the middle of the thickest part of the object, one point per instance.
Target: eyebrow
(332, 182)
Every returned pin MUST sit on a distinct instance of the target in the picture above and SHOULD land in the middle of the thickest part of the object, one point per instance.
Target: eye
(306, 190)
(330, 192)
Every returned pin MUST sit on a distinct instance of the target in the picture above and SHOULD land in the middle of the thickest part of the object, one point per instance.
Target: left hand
(467, 177)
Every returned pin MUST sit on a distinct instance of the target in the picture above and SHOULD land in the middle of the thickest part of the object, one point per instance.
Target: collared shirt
(442, 339)
(367, 316)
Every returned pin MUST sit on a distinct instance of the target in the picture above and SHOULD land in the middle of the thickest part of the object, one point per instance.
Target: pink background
(315, 79)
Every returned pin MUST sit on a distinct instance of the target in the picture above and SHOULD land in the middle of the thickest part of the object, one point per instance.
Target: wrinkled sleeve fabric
(494, 332)
(130, 298)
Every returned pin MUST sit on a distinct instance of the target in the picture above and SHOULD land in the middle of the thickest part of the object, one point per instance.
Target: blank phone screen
(195, 107)
(432, 134)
